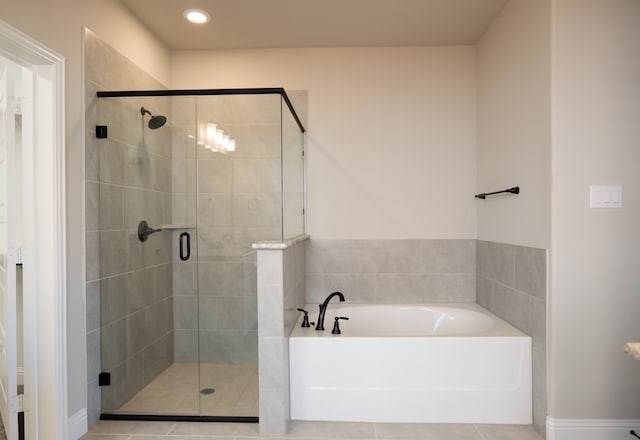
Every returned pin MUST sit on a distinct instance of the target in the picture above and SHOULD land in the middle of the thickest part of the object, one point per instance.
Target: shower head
(155, 121)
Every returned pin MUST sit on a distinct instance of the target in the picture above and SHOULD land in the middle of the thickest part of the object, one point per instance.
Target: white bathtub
(450, 363)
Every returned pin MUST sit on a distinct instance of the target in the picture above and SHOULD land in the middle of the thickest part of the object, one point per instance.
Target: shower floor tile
(176, 391)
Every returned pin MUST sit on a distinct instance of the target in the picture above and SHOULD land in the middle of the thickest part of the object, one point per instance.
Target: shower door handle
(185, 256)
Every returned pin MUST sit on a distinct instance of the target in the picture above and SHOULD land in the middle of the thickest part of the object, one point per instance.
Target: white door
(9, 255)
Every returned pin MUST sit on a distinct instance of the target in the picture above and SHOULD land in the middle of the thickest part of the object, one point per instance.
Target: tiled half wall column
(281, 275)
(512, 283)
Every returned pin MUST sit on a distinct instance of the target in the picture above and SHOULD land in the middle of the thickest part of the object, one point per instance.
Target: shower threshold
(178, 418)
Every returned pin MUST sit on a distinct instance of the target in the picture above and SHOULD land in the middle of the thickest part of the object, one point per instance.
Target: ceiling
(247, 24)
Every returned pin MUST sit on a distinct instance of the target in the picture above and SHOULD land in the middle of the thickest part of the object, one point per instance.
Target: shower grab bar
(514, 190)
(144, 231)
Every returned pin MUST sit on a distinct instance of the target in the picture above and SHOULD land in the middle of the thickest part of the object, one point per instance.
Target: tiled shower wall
(129, 298)
(218, 325)
(512, 283)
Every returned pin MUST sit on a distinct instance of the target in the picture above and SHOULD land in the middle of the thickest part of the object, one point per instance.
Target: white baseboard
(78, 424)
(591, 429)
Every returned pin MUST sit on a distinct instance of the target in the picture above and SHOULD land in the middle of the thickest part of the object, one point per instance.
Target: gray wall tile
(511, 282)
(93, 305)
(459, 287)
(448, 256)
(92, 202)
(408, 288)
(531, 271)
(281, 281)
(185, 310)
(185, 343)
(388, 271)
(496, 261)
(157, 357)
(219, 346)
(358, 288)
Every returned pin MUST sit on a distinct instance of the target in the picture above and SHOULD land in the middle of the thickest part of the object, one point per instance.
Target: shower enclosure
(188, 180)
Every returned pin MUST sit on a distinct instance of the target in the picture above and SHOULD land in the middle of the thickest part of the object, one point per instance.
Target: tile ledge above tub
(632, 349)
(276, 245)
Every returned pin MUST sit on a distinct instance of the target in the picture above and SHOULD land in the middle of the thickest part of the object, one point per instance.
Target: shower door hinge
(14, 104)
(104, 379)
(101, 131)
(16, 403)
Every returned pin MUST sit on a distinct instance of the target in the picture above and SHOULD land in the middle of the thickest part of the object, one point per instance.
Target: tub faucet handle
(305, 318)
(336, 325)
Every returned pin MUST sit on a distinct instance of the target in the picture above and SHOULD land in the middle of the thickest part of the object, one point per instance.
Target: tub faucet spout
(323, 309)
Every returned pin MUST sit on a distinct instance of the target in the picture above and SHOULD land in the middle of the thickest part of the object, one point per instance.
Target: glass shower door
(143, 203)
(239, 203)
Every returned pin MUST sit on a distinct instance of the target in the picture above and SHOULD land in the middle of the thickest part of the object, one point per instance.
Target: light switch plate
(605, 196)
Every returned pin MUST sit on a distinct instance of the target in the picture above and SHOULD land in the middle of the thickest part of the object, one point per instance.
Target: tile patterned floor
(177, 391)
(110, 430)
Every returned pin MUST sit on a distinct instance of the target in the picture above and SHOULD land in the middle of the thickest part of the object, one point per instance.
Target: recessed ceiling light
(196, 16)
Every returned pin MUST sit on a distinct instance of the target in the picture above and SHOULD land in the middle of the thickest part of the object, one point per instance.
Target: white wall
(59, 26)
(595, 288)
(391, 132)
(514, 125)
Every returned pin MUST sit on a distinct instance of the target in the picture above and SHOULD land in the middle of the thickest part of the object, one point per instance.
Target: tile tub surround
(392, 271)
(508, 280)
(127, 178)
(512, 284)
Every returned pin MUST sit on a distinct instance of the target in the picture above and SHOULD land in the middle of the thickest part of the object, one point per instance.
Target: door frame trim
(46, 338)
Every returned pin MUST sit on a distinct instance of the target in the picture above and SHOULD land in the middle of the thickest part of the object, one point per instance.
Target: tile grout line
(475, 426)
(171, 429)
